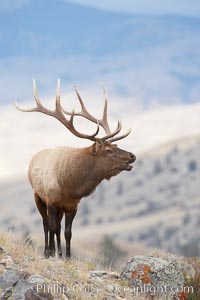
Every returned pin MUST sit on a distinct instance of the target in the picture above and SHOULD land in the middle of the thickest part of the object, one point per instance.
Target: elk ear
(95, 148)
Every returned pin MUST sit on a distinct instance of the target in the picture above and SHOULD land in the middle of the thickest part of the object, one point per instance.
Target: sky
(177, 7)
(147, 53)
(146, 7)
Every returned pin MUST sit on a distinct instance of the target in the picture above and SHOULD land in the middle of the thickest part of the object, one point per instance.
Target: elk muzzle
(126, 166)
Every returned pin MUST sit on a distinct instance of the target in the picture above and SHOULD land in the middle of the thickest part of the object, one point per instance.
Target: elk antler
(58, 113)
(103, 122)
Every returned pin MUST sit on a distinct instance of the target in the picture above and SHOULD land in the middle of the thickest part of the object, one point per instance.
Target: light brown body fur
(62, 176)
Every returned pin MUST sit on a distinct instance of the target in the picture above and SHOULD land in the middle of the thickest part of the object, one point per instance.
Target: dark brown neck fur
(81, 179)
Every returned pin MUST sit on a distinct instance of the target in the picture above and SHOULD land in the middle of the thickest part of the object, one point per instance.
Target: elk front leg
(69, 217)
(59, 218)
(43, 211)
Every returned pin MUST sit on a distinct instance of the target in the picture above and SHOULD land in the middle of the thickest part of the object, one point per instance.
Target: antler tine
(84, 113)
(58, 94)
(120, 137)
(84, 110)
(35, 94)
(23, 109)
(69, 124)
(104, 120)
(91, 137)
(117, 130)
(37, 100)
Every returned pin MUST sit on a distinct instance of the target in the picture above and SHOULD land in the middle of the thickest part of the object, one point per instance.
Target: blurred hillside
(155, 205)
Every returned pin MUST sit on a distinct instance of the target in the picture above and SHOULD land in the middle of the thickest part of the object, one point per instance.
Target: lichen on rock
(152, 275)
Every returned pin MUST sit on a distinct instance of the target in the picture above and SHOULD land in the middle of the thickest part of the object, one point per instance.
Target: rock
(113, 275)
(1, 270)
(32, 294)
(7, 261)
(1, 250)
(153, 276)
(98, 273)
(104, 274)
(8, 281)
(36, 279)
(15, 284)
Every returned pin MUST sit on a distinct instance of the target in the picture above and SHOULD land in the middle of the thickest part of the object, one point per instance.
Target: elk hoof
(60, 253)
(46, 253)
(52, 252)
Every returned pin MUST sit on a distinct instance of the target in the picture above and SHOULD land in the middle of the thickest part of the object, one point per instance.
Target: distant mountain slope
(157, 204)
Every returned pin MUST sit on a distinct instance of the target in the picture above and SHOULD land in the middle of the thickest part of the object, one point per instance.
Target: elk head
(110, 157)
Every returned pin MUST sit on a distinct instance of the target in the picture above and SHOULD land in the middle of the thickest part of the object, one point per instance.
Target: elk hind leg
(69, 217)
(52, 216)
(43, 211)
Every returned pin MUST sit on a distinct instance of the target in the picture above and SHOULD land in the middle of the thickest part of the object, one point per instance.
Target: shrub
(193, 281)
(192, 166)
(110, 251)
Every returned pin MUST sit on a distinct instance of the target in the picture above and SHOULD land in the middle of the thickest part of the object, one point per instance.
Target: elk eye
(109, 151)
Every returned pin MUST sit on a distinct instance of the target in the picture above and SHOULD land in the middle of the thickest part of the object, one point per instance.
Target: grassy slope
(23, 256)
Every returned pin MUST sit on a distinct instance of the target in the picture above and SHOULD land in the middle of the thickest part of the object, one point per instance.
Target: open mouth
(127, 167)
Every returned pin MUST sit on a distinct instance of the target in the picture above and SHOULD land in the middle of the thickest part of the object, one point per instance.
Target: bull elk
(60, 177)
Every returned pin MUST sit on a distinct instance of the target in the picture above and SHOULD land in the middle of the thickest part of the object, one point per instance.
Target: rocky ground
(25, 274)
